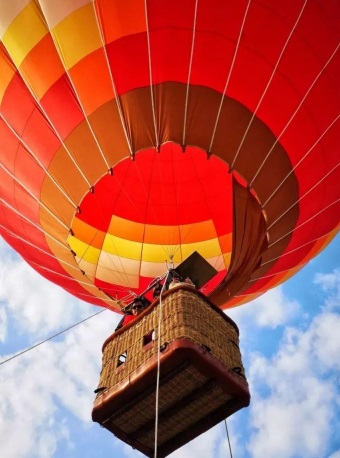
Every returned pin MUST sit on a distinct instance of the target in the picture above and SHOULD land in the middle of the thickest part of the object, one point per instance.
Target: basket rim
(200, 358)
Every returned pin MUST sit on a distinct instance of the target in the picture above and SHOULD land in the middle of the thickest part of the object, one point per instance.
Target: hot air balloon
(136, 133)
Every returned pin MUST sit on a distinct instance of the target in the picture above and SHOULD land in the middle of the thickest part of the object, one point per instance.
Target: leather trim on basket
(177, 355)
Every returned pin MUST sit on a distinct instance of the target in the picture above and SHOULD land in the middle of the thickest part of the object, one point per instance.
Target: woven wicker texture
(139, 421)
(169, 393)
(189, 397)
(186, 417)
(184, 315)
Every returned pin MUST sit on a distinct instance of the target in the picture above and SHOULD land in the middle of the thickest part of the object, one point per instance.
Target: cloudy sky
(290, 340)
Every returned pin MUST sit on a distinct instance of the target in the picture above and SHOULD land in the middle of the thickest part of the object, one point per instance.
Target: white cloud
(43, 387)
(3, 323)
(325, 332)
(235, 438)
(335, 454)
(35, 304)
(202, 447)
(293, 425)
(270, 310)
(38, 384)
(294, 394)
(294, 400)
(330, 283)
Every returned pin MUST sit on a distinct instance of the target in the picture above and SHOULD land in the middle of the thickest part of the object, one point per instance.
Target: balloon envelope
(135, 133)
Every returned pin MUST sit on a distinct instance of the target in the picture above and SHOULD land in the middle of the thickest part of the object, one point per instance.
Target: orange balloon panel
(123, 130)
(150, 210)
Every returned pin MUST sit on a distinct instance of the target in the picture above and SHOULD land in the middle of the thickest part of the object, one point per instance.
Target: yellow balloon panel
(26, 30)
(81, 28)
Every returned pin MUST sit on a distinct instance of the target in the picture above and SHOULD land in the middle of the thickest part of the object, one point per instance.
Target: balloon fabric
(135, 133)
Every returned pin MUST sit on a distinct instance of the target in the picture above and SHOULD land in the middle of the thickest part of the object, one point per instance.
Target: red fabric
(282, 66)
(128, 319)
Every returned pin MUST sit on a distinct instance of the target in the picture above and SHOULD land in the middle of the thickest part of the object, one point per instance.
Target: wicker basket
(202, 379)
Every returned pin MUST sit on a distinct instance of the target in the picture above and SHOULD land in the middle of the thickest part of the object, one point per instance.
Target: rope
(61, 261)
(59, 51)
(300, 161)
(51, 125)
(115, 93)
(50, 338)
(299, 199)
(293, 116)
(3, 202)
(150, 74)
(229, 76)
(252, 280)
(158, 363)
(41, 165)
(268, 83)
(305, 222)
(189, 74)
(295, 249)
(61, 222)
(226, 427)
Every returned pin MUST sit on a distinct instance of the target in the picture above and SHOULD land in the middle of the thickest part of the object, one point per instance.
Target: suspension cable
(153, 105)
(51, 124)
(37, 160)
(65, 263)
(226, 428)
(51, 337)
(299, 200)
(159, 362)
(59, 51)
(39, 202)
(269, 82)
(189, 74)
(291, 119)
(113, 85)
(299, 266)
(224, 93)
(287, 253)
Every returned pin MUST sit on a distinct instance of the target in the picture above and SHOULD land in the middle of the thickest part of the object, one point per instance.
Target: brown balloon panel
(201, 376)
(123, 142)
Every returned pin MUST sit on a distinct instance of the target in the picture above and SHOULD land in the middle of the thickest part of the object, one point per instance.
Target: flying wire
(159, 362)
(291, 119)
(268, 83)
(189, 74)
(299, 266)
(224, 93)
(36, 158)
(116, 97)
(153, 105)
(50, 338)
(226, 428)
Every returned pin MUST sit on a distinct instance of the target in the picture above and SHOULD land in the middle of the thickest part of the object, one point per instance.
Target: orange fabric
(91, 79)
(42, 66)
(137, 178)
(120, 19)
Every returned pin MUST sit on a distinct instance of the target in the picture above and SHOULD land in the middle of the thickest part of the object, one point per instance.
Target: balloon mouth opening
(160, 206)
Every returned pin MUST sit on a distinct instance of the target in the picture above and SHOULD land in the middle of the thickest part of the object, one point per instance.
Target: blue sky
(290, 340)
